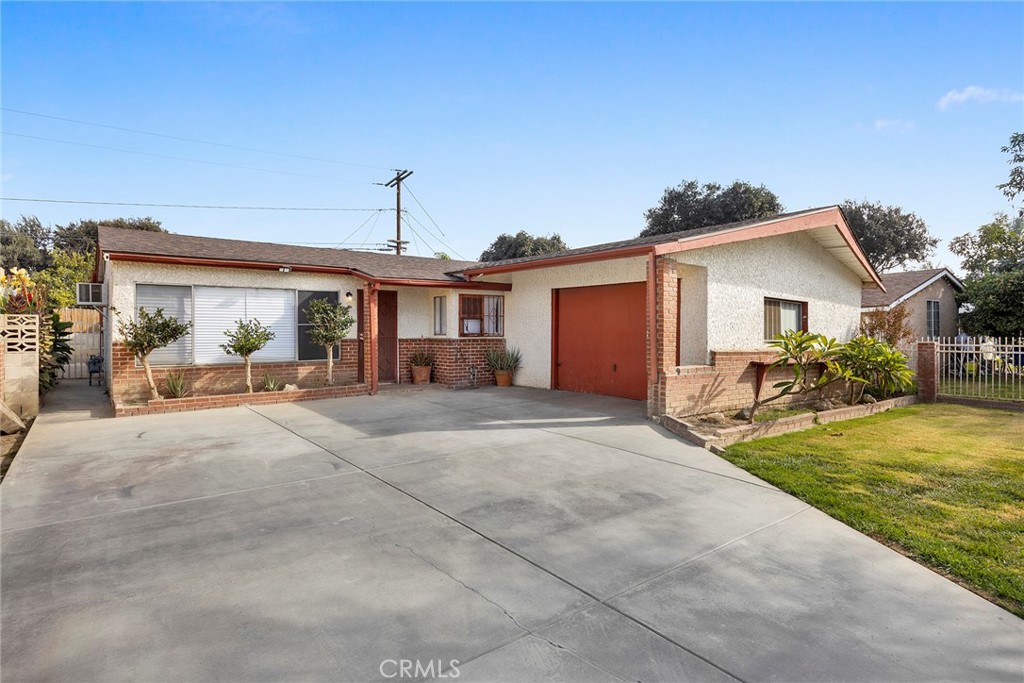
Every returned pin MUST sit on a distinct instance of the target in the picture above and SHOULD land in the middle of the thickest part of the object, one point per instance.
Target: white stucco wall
(528, 307)
(125, 275)
(793, 266)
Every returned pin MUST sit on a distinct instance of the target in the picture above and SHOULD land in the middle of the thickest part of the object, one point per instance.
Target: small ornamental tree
(891, 326)
(330, 324)
(246, 339)
(147, 333)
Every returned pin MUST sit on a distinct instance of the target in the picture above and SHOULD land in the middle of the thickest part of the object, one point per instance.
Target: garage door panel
(600, 340)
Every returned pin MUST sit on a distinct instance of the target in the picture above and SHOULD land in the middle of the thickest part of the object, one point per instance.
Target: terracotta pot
(420, 374)
(503, 378)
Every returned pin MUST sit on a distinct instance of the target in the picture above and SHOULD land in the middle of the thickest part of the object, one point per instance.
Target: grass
(944, 484)
(769, 414)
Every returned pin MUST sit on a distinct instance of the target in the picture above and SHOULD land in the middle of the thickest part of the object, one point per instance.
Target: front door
(387, 336)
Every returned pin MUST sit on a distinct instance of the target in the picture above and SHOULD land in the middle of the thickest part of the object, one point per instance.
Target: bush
(246, 339)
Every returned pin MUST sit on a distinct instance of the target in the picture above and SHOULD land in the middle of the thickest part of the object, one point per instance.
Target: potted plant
(504, 363)
(421, 362)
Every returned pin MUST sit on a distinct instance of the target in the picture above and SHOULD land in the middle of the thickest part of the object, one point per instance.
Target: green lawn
(942, 483)
(999, 388)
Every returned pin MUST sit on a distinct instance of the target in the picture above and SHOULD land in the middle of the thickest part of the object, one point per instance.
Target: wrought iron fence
(981, 367)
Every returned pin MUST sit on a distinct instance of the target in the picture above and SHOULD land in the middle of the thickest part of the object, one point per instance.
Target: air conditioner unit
(90, 294)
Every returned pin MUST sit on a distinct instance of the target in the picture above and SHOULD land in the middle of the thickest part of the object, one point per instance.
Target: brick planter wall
(178, 405)
(129, 380)
(454, 359)
(726, 385)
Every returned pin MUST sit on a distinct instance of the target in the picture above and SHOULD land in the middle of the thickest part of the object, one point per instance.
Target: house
(679, 321)
(930, 298)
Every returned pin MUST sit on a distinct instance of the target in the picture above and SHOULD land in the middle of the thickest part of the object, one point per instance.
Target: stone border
(718, 439)
(178, 405)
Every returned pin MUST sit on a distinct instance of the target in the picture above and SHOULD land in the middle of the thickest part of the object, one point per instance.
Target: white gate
(86, 340)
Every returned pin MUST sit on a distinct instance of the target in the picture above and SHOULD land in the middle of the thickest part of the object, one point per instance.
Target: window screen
(307, 349)
(176, 302)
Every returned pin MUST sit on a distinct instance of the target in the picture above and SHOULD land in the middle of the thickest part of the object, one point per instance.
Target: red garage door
(599, 340)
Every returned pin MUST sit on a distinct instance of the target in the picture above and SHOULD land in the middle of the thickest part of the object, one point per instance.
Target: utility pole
(396, 183)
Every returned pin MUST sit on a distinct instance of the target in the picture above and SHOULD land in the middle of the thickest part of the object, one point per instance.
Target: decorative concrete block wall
(19, 336)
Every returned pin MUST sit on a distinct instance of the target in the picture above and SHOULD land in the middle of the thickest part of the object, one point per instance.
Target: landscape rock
(868, 398)
(743, 414)
(290, 387)
(821, 405)
(10, 423)
(717, 418)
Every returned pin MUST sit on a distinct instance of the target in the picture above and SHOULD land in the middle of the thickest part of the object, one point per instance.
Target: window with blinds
(176, 302)
(440, 315)
(217, 309)
(783, 316)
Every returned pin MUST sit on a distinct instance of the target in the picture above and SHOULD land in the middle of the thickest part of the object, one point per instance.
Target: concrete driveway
(525, 535)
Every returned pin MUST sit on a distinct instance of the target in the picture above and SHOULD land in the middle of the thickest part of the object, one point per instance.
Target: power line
(349, 236)
(166, 156)
(184, 139)
(426, 212)
(189, 206)
(443, 243)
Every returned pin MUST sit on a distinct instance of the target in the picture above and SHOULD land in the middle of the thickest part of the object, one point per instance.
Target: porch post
(372, 328)
(654, 402)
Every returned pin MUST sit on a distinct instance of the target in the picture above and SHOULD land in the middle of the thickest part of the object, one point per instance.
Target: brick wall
(128, 385)
(454, 359)
(178, 405)
(927, 371)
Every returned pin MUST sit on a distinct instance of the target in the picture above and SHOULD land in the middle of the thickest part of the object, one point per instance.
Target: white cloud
(894, 126)
(978, 94)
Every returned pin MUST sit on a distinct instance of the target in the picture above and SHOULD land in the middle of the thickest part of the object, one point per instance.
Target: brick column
(927, 371)
(665, 344)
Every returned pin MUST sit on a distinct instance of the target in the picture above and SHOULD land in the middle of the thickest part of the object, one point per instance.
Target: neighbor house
(680, 321)
(929, 296)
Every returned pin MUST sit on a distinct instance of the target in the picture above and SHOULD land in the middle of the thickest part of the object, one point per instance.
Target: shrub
(246, 339)
(421, 358)
(176, 385)
(149, 332)
(270, 383)
(508, 359)
(330, 325)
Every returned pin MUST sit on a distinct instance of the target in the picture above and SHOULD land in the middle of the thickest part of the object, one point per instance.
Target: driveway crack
(464, 585)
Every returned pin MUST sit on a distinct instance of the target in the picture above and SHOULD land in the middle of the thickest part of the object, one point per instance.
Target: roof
(901, 286)
(375, 266)
(646, 241)
(826, 225)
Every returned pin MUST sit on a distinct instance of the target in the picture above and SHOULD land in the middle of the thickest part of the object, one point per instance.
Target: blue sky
(569, 118)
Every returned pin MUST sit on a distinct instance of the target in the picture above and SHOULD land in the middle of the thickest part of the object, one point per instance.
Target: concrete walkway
(528, 535)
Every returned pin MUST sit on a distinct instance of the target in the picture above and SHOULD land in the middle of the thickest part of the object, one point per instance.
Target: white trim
(917, 290)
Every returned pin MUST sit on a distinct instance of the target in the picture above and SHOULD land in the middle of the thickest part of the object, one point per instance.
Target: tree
(996, 247)
(67, 268)
(443, 255)
(1015, 184)
(24, 244)
(81, 236)
(995, 305)
(891, 326)
(691, 205)
(331, 323)
(890, 236)
(246, 339)
(521, 244)
(993, 259)
(147, 333)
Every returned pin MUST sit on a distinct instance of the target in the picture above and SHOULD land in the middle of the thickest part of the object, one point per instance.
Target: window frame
(498, 319)
(928, 318)
(803, 314)
(299, 325)
(441, 316)
(190, 305)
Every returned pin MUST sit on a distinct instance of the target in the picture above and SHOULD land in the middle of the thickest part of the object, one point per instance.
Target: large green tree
(890, 236)
(993, 259)
(66, 269)
(521, 244)
(691, 205)
(1015, 183)
(80, 236)
(24, 244)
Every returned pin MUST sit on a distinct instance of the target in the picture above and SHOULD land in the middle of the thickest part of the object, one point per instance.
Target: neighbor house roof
(140, 245)
(901, 286)
(827, 225)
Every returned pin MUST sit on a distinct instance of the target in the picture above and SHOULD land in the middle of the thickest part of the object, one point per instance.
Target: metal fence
(981, 367)
(86, 340)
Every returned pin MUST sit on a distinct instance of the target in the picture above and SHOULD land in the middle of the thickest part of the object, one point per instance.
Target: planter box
(714, 439)
(177, 405)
